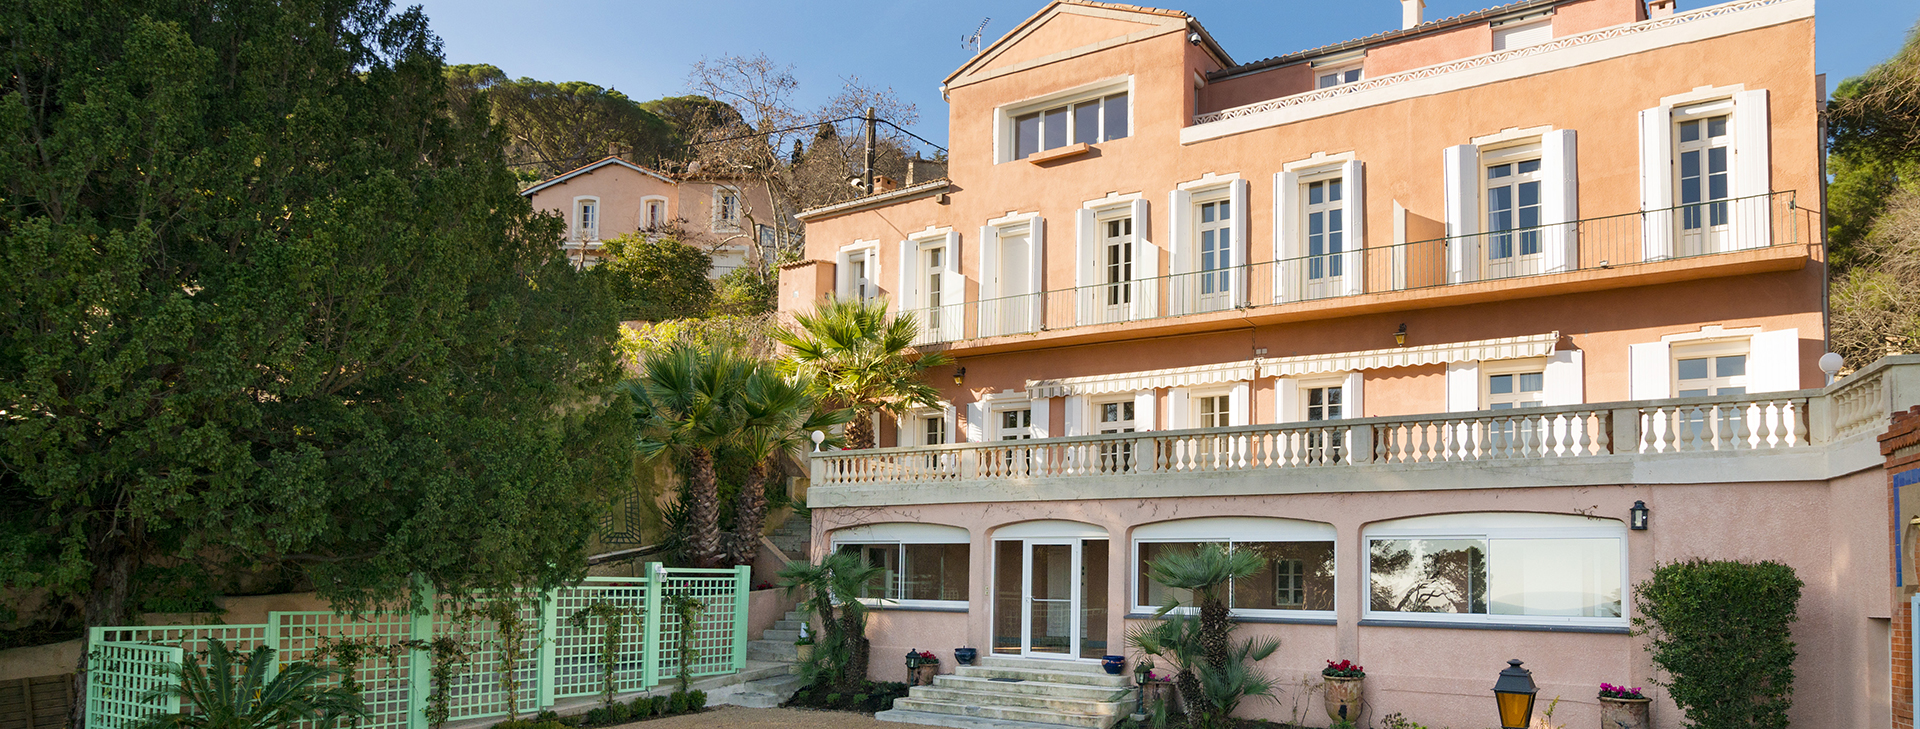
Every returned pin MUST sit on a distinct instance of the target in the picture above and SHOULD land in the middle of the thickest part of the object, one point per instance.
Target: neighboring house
(733, 219)
(1421, 316)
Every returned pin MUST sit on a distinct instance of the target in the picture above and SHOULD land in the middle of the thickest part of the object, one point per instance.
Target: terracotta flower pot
(924, 673)
(803, 653)
(1343, 697)
(1157, 691)
(1626, 713)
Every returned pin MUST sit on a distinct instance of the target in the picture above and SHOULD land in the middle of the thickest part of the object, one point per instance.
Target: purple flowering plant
(1610, 691)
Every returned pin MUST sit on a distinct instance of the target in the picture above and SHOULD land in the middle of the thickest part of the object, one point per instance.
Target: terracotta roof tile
(1426, 27)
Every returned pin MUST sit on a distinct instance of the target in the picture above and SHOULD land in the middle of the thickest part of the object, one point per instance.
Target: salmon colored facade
(1494, 247)
(734, 220)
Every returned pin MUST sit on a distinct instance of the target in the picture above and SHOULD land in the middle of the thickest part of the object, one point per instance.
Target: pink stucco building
(1420, 316)
(733, 219)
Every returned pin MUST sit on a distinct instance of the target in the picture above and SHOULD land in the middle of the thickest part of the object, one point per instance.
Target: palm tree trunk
(749, 517)
(860, 432)
(703, 511)
(854, 630)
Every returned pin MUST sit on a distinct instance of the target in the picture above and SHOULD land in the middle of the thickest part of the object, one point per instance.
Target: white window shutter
(1042, 414)
(1146, 265)
(1240, 404)
(1463, 386)
(953, 293)
(950, 413)
(976, 422)
(1287, 282)
(1463, 213)
(1237, 196)
(1087, 273)
(1076, 416)
(1353, 176)
(1036, 269)
(907, 298)
(1143, 414)
(1649, 375)
(1565, 379)
(1177, 409)
(1752, 170)
(1179, 231)
(904, 433)
(990, 284)
(1286, 395)
(842, 274)
(1559, 200)
(1656, 183)
(1353, 396)
(1773, 361)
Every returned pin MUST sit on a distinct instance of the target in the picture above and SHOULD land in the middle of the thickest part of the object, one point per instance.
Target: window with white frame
(1703, 148)
(1706, 173)
(1116, 266)
(1710, 368)
(933, 269)
(1213, 234)
(1212, 410)
(1325, 219)
(586, 219)
(1114, 416)
(857, 272)
(1011, 249)
(1090, 117)
(1516, 389)
(653, 214)
(1333, 75)
(921, 565)
(1511, 207)
(933, 429)
(1296, 577)
(726, 208)
(1323, 399)
(1531, 29)
(1495, 568)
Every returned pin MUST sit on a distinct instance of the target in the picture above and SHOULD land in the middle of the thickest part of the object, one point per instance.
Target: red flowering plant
(928, 657)
(1343, 669)
(1610, 691)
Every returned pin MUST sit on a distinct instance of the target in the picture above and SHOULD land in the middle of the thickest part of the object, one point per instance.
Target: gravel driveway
(736, 717)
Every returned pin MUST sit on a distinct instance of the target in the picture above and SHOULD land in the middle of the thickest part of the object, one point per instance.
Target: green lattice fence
(560, 658)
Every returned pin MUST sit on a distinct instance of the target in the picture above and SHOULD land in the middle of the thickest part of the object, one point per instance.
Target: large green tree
(859, 357)
(266, 295)
(656, 278)
(1873, 209)
(551, 127)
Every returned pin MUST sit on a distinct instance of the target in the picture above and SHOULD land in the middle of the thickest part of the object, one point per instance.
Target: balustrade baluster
(1799, 422)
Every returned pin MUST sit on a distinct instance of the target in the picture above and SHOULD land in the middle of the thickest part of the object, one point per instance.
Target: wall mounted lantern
(1514, 694)
(959, 375)
(1637, 516)
(1400, 337)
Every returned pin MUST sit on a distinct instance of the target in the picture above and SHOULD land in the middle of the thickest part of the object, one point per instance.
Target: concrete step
(797, 616)
(1041, 664)
(1111, 707)
(781, 635)
(788, 624)
(956, 722)
(1005, 713)
(1079, 678)
(1078, 692)
(772, 650)
(766, 693)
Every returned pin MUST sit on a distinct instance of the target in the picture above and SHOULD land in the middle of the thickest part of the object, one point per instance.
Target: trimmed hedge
(1721, 631)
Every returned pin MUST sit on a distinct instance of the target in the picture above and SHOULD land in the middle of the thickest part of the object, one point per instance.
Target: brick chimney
(1660, 8)
(1410, 12)
(883, 183)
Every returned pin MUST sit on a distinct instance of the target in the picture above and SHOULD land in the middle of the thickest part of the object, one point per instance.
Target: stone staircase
(793, 538)
(1018, 693)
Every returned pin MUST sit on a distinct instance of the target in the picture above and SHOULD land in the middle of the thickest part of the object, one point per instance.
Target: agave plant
(233, 692)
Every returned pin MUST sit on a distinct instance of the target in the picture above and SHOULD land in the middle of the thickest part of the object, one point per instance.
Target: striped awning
(1148, 380)
(1535, 345)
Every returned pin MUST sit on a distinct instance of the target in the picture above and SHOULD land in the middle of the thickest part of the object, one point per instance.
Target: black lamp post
(1142, 671)
(1638, 516)
(1514, 694)
(913, 662)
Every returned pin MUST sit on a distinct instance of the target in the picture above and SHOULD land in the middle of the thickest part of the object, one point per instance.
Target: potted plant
(1624, 708)
(1114, 664)
(965, 656)
(924, 671)
(1157, 689)
(803, 647)
(1343, 685)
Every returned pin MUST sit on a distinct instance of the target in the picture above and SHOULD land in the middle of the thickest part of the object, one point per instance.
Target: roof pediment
(1069, 28)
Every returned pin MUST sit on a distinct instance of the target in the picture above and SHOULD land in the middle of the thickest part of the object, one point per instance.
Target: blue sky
(644, 48)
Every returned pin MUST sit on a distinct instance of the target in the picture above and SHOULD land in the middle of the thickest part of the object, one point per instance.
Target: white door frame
(1077, 567)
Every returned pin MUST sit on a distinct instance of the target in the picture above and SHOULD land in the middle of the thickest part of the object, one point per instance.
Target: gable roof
(563, 177)
(1167, 20)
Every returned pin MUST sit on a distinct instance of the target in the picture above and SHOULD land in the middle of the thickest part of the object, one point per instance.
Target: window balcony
(1696, 438)
(1740, 235)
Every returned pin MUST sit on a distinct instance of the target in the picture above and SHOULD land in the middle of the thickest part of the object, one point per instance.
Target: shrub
(657, 706)
(619, 713)
(600, 715)
(696, 700)
(1720, 630)
(677, 702)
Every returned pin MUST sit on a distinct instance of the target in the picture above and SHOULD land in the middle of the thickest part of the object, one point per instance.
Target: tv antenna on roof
(974, 40)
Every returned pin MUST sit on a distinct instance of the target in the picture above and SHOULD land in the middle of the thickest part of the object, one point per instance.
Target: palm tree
(230, 694)
(860, 358)
(837, 580)
(779, 416)
(1214, 673)
(687, 403)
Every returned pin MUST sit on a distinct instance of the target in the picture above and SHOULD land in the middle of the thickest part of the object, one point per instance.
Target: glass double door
(1050, 598)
